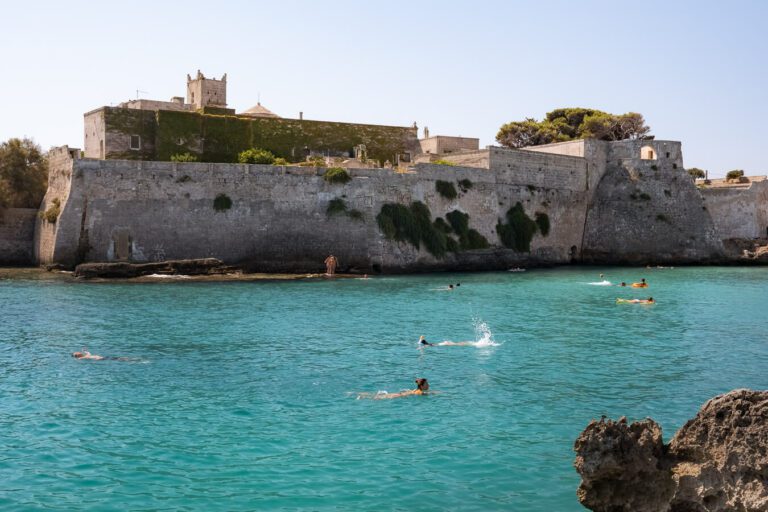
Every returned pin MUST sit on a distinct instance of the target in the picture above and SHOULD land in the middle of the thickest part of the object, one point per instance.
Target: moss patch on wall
(469, 239)
(222, 203)
(127, 122)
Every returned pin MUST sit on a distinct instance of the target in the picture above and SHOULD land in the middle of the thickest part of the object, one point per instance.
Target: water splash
(601, 283)
(483, 334)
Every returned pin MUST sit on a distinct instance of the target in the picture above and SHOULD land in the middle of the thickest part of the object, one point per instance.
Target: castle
(123, 199)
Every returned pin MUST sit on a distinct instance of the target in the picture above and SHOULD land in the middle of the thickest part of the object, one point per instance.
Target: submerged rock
(203, 266)
(717, 462)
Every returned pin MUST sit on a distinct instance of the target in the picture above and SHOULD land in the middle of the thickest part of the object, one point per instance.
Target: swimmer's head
(450, 286)
(458, 284)
(422, 338)
(422, 384)
(77, 355)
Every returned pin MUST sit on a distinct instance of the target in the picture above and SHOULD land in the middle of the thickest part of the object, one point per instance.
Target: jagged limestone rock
(717, 462)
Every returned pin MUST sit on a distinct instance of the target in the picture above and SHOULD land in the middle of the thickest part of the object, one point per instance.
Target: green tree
(23, 174)
(565, 124)
(734, 174)
(697, 173)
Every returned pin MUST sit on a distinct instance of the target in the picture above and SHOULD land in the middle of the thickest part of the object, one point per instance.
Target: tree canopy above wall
(566, 124)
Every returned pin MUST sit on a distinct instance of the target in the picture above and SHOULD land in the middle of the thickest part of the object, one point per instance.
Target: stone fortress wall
(17, 231)
(611, 206)
(144, 211)
(739, 212)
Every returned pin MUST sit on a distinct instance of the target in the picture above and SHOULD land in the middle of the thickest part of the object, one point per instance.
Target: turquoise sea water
(243, 395)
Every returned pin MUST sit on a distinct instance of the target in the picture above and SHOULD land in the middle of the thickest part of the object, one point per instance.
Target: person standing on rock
(330, 265)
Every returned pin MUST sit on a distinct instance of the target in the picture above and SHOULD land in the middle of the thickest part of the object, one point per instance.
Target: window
(667, 154)
(135, 142)
(647, 153)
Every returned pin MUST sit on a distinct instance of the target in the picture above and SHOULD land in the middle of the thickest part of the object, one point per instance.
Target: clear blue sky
(695, 70)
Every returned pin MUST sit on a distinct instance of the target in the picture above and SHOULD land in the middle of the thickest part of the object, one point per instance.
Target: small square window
(667, 154)
(135, 142)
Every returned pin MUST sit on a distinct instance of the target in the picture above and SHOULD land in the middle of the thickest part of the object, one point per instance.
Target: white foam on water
(601, 283)
(168, 276)
(483, 334)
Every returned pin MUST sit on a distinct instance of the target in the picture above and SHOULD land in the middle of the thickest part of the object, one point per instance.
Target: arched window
(647, 153)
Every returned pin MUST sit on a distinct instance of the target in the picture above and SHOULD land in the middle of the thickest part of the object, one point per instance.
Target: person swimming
(84, 354)
(649, 300)
(424, 343)
(641, 284)
(422, 388)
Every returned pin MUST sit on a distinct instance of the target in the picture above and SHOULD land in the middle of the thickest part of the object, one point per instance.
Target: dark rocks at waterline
(717, 462)
(193, 267)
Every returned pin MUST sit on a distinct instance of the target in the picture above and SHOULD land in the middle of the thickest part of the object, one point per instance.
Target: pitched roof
(258, 111)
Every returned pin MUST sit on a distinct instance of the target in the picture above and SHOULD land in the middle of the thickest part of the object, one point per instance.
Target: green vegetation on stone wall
(220, 138)
(183, 157)
(413, 225)
(52, 213)
(465, 185)
(338, 206)
(446, 189)
(542, 220)
(697, 173)
(442, 161)
(222, 202)
(337, 175)
(518, 231)
(734, 175)
(468, 238)
(130, 122)
(256, 156)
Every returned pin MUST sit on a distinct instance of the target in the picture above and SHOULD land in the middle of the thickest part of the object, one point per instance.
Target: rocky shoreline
(716, 462)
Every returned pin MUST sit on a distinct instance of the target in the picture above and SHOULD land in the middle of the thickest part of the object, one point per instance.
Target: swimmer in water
(450, 287)
(424, 343)
(602, 276)
(422, 388)
(84, 354)
(649, 300)
(623, 284)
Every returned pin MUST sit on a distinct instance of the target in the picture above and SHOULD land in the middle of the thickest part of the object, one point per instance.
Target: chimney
(301, 116)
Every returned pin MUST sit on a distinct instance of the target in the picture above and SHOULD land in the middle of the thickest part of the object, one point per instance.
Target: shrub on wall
(413, 225)
(446, 189)
(443, 162)
(468, 238)
(256, 156)
(518, 231)
(465, 185)
(222, 203)
(337, 175)
(280, 161)
(734, 174)
(542, 220)
(336, 206)
(52, 213)
(183, 157)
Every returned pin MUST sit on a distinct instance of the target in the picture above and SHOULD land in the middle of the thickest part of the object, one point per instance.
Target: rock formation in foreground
(717, 461)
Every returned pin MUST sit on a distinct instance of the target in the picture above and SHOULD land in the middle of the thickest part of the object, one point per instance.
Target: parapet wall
(739, 212)
(17, 236)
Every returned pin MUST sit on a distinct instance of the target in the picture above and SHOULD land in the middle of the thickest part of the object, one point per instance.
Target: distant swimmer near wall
(84, 354)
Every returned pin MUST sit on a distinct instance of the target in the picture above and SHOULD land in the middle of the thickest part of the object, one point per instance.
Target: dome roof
(259, 111)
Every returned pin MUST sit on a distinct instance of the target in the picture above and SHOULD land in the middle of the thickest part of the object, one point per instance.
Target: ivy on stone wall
(446, 189)
(337, 175)
(222, 202)
(542, 220)
(219, 138)
(518, 231)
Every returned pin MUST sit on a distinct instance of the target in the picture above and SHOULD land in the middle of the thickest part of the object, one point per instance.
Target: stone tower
(203, 92)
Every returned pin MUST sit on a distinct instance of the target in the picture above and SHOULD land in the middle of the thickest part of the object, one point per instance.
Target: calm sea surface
(242, 396)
